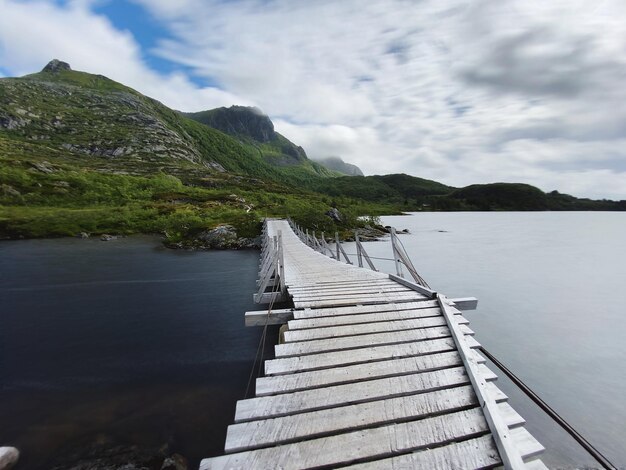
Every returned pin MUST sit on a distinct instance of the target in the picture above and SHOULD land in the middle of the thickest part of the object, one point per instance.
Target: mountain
(251, 126)
(338, 165)
(82, 153)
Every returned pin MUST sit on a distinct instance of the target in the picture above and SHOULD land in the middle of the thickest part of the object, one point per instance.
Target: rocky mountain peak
(56, 65)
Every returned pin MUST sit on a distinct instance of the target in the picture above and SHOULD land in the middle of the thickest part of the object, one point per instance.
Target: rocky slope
(252, 127)
(338, 165)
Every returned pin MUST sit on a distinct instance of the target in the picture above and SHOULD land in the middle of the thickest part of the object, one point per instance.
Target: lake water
(124, 343)
(109, 345)
(549, 286)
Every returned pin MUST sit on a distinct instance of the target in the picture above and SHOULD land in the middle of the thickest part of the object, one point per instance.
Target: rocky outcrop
(337, 164)
(55, 66)
(238, 121)
(334, 214)
(222, 237)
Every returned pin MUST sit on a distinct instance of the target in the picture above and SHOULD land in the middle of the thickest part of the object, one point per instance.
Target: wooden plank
(362, 328)
(511, 417)
(528, 447)
(324, 294)
(400, 293)
(374, 299)
(353, 342)
(495, 393)
(355, 373)
(333, 396)
(344, 285)
(367, 444)
(356, 356)
(374, 287)
(322, 322)
(261, 433)
(480, 452)
(263, 317)
(465, 303)
(269, 297)
(356, 298)
(416, 287)
(351, 310)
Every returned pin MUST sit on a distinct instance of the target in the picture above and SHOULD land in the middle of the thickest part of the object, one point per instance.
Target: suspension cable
(595, 453)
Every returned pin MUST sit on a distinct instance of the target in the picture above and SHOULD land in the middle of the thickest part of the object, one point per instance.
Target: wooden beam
(465, 303)
(416, 287)
(275, 317)
(268, 297)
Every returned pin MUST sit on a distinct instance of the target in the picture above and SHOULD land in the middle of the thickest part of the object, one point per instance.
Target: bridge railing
(400, 256)
(272, 272)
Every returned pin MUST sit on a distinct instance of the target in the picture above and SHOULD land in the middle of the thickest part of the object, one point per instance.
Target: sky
(459, 91)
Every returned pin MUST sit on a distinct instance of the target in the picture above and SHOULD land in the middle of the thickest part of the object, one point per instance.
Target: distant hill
(338, 165)
(82, 153)
(252, 127)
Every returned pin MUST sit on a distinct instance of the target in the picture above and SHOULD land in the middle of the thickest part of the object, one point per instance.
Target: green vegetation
(82, 153)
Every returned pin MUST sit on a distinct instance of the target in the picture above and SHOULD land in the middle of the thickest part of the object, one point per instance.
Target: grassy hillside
(82, 153)
(255, 130)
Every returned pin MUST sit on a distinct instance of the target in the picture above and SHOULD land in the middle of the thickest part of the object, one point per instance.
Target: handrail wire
(595, 453)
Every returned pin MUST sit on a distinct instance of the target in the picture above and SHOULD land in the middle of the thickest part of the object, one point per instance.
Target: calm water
(126, 343)
(549, 287)
(122, 343)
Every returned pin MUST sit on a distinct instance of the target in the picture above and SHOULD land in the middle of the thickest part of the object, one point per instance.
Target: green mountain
(253, 128)
(82, 153)
(338, 165)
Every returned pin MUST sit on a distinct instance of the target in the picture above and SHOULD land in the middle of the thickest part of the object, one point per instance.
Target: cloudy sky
(460, 91)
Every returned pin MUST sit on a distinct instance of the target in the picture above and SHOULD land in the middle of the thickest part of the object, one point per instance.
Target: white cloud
(512, 90)
(34, 32)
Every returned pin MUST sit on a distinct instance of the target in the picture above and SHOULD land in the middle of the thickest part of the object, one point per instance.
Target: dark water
(550, 289)
(122, 343)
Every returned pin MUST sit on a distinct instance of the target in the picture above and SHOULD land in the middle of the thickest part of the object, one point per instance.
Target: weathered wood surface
(308, 313)
(357, 356)
(374, 371)
(355, 392)
(480, 452)
(271, 385)
(255, 434)
(363, 328)
(365, 444)
(322, 322)
(360, 341)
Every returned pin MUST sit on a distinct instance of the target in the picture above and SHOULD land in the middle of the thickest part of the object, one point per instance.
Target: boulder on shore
(222, 237)
(8, 457)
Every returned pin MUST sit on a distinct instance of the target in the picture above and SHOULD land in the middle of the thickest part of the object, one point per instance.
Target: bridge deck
(372, 374)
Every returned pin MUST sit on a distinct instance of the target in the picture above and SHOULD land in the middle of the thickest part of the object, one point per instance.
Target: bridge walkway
(374, 372)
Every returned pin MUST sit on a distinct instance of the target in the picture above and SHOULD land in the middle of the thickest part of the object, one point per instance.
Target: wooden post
(396, 255)
(281, 263)
(337, 245)
(358, 249)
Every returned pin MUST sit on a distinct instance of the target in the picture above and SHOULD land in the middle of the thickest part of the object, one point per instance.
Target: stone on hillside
(55, 66)
(334, 214)
(9, 190)
(44, 167)
(83, 235)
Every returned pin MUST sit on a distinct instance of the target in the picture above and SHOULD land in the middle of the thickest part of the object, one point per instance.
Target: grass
(73, 199)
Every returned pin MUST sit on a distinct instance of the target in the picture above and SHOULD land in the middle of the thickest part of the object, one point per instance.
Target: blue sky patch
(147, 31)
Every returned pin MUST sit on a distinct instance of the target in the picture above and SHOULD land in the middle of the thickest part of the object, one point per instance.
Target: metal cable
(595, 453)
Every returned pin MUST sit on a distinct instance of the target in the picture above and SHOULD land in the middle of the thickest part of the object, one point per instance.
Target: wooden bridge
(374, 371)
